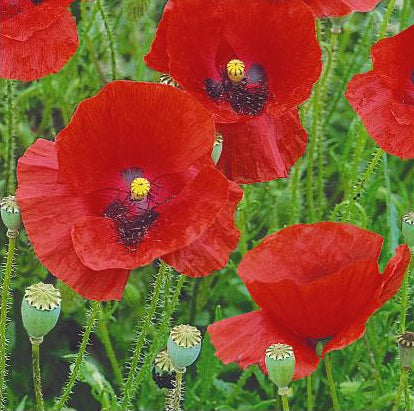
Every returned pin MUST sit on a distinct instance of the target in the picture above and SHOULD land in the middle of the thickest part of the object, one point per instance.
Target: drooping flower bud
(10, 215)
(163, 371)
(406, 345)
(408, 229)
(184, 345)
(217, 148)
(280, 364)
(40, 309)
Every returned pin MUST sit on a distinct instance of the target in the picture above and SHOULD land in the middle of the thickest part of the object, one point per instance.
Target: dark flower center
(246, 93)
(135, 214)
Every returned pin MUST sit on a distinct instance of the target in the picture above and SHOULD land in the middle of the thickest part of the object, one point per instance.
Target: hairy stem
(74, 374)
(10, 142)
(37, 379)
(107, 343)
(110, 37)
(129, 388)
(400, 389)
(404, 297)
(384, 25)
(285, 403)
(309, 393)
(175, 398)
(331, 382)
(3, 316)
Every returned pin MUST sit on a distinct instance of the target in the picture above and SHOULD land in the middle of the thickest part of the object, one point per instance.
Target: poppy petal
(245, 338)
(87, 158)
(181, 220)
(340, 8)
(48, 211)
(210, 252)
(261, 149)
(35, 52)
(389, 122)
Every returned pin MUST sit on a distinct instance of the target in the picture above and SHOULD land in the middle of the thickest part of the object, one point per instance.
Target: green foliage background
(367, 372)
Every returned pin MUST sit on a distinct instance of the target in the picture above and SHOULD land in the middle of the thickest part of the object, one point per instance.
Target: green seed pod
(280, 364)
(40, 309)
(184, 345)
(408, 229)
(10, 214)
(217, 148)
(406, 344)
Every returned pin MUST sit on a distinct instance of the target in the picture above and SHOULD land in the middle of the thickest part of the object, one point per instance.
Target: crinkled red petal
(261, 149)
(181, 220)
(210, 252)
(245, 338)
(388, 120)
(339, 8)
(49, 209)
(36, 54)
(155, 128)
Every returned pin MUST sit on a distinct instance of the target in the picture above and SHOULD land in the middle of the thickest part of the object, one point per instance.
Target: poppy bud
(184, 345)
(40, 309)
(408, 229)
(217, 148)
(163, 371)
(280, 364)
(10, 214)
(406, 344)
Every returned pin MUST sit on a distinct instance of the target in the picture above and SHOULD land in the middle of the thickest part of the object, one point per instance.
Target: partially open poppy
(384, 97)
(245, 61)
(317, 282)
(37, 37)
(339, 8)
(130, 179)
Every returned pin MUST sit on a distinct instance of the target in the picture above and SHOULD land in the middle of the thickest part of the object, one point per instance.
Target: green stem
(37, 379)
(174, 402)
(67, 389)
(107, 343)
(407, 395)
(3, 315)
(129, 388)
(294, 215)
(160, 334)
(110, 36)
(285, 403)
(404, 297)
(404, 14)
(384, 25)
(309, 393)
(401, 385)
(10, 142)
(331, 382)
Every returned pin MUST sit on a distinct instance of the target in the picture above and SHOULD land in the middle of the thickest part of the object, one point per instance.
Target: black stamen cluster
(246, 97)
(131, 227)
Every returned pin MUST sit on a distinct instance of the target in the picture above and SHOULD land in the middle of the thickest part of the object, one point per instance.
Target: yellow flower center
(235, 70)
(140, 187)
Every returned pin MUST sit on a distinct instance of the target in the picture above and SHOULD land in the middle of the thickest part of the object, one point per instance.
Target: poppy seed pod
(408, 229)
(280, 364)
(184, 345)
(10, 215)
(163, 371)
(40, 309)
(406, 345)
(217, 148)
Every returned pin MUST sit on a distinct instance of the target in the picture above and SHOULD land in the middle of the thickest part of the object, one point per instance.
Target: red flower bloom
(339, 8)
(312, 282)
(246, 61)
(384, 97)
(37, 37)
(129, 180)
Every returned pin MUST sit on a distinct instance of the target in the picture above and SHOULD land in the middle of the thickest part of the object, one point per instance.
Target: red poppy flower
(384, 97)
(339, 8)
(37, 37)
(130, 179)
(246, 61)
(317, 282)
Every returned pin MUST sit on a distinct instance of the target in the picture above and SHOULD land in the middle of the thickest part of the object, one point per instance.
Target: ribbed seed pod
(280, 364)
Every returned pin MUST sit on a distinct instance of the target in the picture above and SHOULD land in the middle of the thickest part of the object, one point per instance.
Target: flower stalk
(331, 382)
(37, 379)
